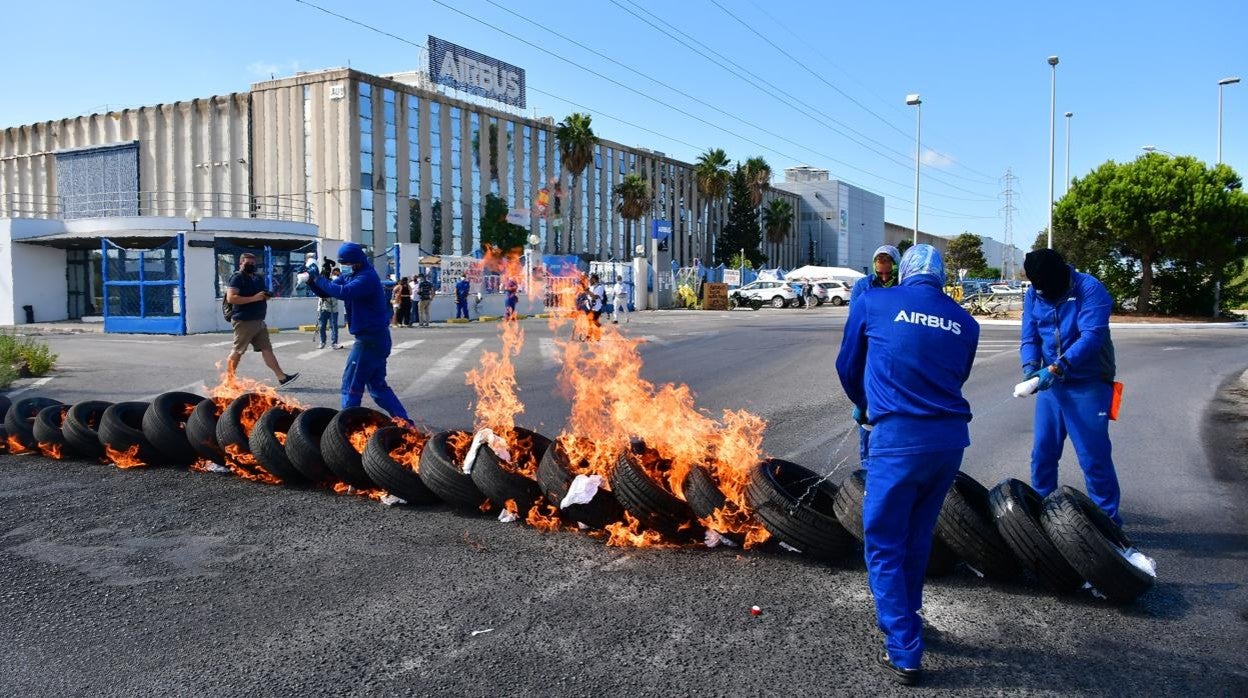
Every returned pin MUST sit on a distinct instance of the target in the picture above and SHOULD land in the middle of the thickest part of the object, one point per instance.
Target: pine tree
(742, 230)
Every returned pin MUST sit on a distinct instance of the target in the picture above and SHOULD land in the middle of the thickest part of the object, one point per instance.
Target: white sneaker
(336, 346)
(321, 345)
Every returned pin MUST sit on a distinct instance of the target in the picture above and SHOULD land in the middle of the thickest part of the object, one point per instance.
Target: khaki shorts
(251, 332)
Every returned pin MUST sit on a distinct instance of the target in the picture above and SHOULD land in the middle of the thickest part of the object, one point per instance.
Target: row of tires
(1062, 540)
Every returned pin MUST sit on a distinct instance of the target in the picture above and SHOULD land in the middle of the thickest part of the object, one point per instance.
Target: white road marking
(278, 345)
(32, 386)
(550, 351)
(317, 352)
(442, 367)
(198, 387)
(404, 346)
(226, 343)
(137, 341)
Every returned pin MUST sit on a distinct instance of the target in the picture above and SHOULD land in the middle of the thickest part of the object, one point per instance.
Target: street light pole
(914, 101)
(1222, 83)
(1052, 127)
(1066, 186)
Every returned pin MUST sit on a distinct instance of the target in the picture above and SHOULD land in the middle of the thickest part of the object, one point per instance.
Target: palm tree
(777, 220)
(632, 201)
(713, 176)
(576, 149)
(758, 176)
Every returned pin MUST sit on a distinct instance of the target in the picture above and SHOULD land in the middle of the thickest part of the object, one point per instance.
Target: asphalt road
(163, 582)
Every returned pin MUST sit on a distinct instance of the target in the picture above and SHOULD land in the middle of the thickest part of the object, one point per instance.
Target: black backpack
(227, 310)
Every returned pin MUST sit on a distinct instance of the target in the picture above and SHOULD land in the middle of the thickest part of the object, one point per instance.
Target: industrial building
(838, 224)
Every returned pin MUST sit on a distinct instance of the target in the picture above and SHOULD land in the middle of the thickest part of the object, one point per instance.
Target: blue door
(145, 289)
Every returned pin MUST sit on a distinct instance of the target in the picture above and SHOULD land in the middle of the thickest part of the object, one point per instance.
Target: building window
(307, 142)
(457, 211)
(435, 176)
(525, 167)
(511, 164)
(366, 163)
(543, 178)
(474, 183)
(413, 168)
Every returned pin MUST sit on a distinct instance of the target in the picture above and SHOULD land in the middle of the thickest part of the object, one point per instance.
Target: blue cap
(922, 259)
(352, 253)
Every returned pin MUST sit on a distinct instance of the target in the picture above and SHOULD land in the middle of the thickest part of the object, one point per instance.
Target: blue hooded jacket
(361, 292)
(904, 358)
(867, 283)
(1074, 331)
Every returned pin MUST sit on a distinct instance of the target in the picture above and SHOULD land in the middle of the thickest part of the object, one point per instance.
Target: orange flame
(495, 379)
(368, 493)
(280, 436)
(545, 517)
(231, 387)
(407, 453)
(202, 465)
(485, 506)
(359, 438)
(459, 442)
(51, 450)
(244, 465)
(629, 534)
(124, 459)
(15, 446)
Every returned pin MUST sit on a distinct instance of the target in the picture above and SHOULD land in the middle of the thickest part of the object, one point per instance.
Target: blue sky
(1133, 74)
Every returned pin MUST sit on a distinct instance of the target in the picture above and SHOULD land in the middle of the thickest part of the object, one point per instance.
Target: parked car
(1005, 289)
(777, 293)
(834, 292)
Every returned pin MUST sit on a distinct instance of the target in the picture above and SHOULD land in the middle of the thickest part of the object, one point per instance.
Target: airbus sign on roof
(464, 69)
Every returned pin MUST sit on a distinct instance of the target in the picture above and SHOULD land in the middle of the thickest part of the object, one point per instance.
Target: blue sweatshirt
(363, 297)
(903, 360)
(1072, 332)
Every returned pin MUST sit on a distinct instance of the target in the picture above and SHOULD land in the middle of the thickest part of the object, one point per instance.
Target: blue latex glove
(859, 416)
(1047, 378)
(313, 270)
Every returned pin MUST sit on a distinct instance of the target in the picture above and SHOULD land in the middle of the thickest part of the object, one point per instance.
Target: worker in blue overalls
(368, 319)
(903, 360)
(461, 298)
(1066, 344)
(884, 263)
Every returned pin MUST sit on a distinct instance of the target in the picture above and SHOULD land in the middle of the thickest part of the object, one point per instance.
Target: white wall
(31, 275)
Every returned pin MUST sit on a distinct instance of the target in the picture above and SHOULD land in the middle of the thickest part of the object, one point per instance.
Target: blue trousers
(1081, 411)
(413, 315)
(461, 308)
(330, 319)
(864, 445)
(903, 499)
(366, 369)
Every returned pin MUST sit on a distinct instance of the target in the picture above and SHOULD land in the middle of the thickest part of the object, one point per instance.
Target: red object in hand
(756, 611)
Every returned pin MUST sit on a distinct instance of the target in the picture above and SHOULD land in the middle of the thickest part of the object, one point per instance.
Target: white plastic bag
(582, 490)
(493, 441)
(1027, 387)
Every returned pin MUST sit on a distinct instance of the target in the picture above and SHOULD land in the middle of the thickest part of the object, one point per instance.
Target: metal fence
(144, 289)
(281, 207)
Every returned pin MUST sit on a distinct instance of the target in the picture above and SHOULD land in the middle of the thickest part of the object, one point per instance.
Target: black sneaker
(290, 378)
(905, 677)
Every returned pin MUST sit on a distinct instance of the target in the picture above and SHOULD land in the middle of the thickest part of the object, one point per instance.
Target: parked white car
(834, 292)
(777, 293)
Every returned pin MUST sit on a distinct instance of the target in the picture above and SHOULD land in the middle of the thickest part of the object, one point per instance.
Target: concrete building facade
(838, 224)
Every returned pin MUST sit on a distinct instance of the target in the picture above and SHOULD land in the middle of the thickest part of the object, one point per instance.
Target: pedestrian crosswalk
(307, 355)
(442, 368)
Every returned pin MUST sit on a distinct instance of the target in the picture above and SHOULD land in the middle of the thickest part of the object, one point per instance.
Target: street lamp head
(194, 215)
(1069, 114)
(913, 100)
(1228, 81)
(640, 250)
(1053, 60)
(534, 239)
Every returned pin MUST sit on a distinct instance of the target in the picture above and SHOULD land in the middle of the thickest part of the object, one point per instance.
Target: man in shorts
(247, 293)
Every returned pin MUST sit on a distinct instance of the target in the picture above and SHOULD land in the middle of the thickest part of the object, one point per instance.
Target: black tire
(164, 425)
(1090, 542)
(303, 443)
(704, 498)
(966, 526)
(269, 449)
(555, 475)
(778, 302)
(4, 439)
(732, 305)
(500, 483)
(441, 473)
(47, 432)
(5, 404)
(795, 504)
(848, 508)
(121, 429)
(394, 477)
(1017, 509)
(756, 304)
(838, 301)
(201, 430)
(81, 428)
(19, 421)
(232, 435)
(340, 456)
(650, 503)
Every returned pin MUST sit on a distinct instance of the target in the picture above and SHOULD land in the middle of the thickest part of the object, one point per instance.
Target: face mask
(249, 268)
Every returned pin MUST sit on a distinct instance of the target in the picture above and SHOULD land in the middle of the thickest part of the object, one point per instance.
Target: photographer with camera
(247, 294)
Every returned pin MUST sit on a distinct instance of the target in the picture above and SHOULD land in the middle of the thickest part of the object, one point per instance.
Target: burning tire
(396, 476)
(233, 436)
(1017, 510)
(19, 422)
(47, 432)
(440, 470)
(555, 475)
(1093, 544)
(5, 404)
(268, 443)
(501, 482)
(795, 504)
(966, 525)
(164, 425)
(303, 443)
(649, 502)
(201, 429)
(121, 432)
(847, 505)
(342, 458)
(81, 426)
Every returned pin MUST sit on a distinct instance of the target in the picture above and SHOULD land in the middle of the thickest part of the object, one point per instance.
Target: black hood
(1047, 271)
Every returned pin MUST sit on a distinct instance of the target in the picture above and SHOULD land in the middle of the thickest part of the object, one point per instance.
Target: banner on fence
(732, 277)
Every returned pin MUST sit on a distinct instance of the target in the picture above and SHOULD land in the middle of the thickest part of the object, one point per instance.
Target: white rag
(1027, 387)
(488, 437)
(582, 490)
